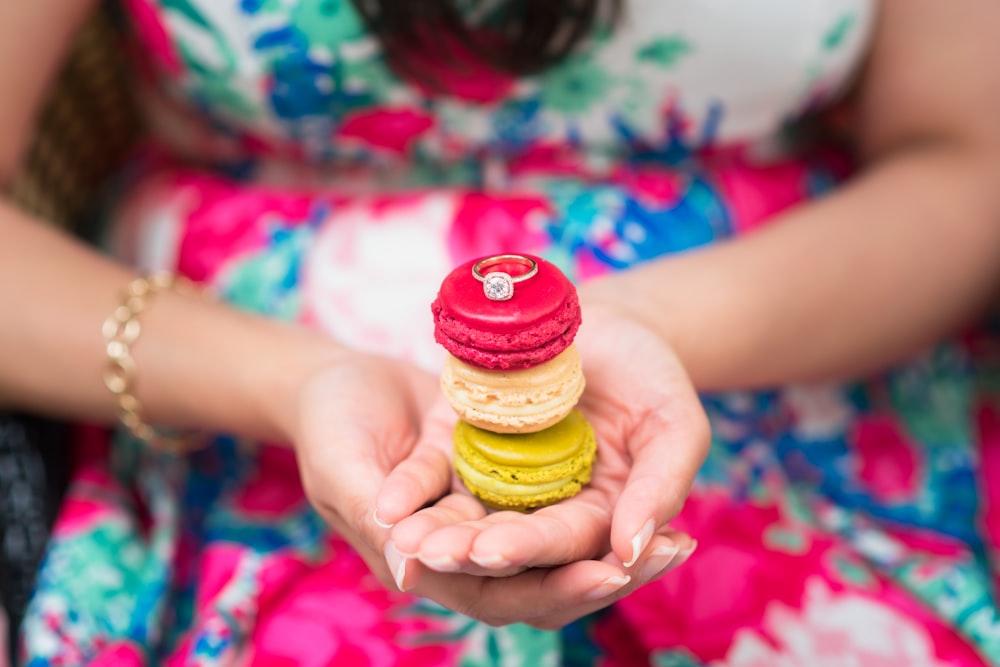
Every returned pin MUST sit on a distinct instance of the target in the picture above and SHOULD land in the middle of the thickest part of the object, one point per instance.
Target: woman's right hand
(357, 417)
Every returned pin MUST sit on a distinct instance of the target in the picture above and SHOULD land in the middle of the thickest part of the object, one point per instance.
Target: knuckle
(358, 512)
(414, 473)
(320, 501)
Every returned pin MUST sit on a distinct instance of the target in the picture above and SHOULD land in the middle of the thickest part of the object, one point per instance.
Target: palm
(357, 420)
(652, 438)
(360, 428)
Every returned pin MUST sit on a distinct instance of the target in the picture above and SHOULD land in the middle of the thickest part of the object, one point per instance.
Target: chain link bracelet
(121, 330)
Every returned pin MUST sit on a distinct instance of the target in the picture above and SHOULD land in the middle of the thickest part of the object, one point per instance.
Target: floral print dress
(297, 176)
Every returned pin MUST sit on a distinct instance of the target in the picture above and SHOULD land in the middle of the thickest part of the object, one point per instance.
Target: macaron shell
(516, 401)
(563, 318)
(526, 471)
(521, 498)
(512, 359)
(536, 324)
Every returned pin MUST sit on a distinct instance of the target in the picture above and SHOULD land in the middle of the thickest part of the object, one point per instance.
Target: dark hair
(524, 36)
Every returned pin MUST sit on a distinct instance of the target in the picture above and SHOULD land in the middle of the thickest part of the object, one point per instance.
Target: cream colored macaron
(518, 401)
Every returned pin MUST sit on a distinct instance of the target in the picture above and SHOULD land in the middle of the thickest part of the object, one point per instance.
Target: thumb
(338, 454)
(425, 475)
(669, 448)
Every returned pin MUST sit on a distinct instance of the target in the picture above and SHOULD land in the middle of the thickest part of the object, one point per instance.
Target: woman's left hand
(652, 438)
(357, 418)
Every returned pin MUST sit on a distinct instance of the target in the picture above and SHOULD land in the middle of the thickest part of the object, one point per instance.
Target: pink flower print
(487, 225)
(833, 629)
(988, 422)
(274, 488)
(94, 498)
(928, 542)
(546, 159)
(723, 589)
(754, 195)
(119, 654)
(149, 27)
(373, 270)
(888, 464)
(218, 565)
(460, 74)
(818, 412)
(389, 130)
(588, 265)
(338, 613)
(657, 187)
(226, 221)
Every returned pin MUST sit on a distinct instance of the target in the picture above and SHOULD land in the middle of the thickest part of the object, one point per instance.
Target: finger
(339, 453)
(668, 447)
(572, 530)
(441, 536)
(425, 475)
(665, 553)
(667, 550)
(532, 594)
(550, 599)
(410, 533)
(341, 480)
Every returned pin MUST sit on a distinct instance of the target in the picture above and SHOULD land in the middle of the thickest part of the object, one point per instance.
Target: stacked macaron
(514, 377)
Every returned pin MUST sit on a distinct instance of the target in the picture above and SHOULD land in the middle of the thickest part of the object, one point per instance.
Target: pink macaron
(538, 322)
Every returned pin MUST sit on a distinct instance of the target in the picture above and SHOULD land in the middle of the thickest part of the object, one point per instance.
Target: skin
(351, 417)
(903, 255)
(364, 430)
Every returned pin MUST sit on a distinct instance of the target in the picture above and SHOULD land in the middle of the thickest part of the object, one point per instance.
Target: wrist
(276, 381)
(614, 297)
(204, 365)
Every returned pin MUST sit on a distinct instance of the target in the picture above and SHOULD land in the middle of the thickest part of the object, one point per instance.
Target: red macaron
(538, 322)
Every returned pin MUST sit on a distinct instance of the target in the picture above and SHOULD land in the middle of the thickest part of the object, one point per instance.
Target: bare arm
(200, 364)
(34, 37)
(902, 255)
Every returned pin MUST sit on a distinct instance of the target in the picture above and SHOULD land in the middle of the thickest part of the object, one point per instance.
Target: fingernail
(658, 562)
(492, 562)
(379, 522)
(441, 563)
(684, 555)
(641, 541)
(397, 564)
(608, 587)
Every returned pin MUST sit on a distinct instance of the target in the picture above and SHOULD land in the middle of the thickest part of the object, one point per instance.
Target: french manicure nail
(397, 564)
(658, 562)
(684, 555)
(491, 562)
(441, 563)
(641, 541)
(379, 522)
(608, 587)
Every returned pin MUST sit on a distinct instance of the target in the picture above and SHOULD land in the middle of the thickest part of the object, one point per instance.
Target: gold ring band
(498, 285)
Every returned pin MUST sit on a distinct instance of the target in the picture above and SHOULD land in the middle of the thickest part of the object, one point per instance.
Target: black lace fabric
(34, 469)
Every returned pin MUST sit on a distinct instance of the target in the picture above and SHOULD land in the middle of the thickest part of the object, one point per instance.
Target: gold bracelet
(121, 330)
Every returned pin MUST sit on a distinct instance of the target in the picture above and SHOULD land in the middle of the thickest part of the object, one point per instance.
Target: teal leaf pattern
(837, 35)
(665, 52)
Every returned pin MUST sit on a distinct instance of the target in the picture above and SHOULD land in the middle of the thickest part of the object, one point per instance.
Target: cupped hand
(652, 438)
(358, 418)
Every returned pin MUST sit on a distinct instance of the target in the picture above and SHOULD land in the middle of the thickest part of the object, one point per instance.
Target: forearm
(904, 254)
(199, 363)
